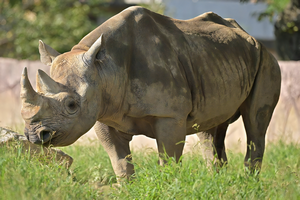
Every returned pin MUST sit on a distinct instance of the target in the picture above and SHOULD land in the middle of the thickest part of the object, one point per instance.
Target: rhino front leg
(170, 138)
(116, 144)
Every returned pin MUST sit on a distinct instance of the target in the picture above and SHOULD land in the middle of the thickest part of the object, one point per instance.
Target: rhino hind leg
(212, 145)
(219, 143)
(258, 108)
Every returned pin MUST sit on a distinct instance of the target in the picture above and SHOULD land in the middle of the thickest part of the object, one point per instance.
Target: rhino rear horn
(90, 55)
(45, 84)
(47, 54)
(27, 93)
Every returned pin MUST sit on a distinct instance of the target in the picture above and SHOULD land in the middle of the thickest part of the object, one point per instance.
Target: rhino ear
(90, 55)
(45, 84)
(47, 54)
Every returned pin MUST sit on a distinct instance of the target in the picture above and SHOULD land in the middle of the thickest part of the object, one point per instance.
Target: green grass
(25, 177)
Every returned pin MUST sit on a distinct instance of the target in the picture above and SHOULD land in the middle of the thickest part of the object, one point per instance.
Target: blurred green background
(63, 23)
(59, 23)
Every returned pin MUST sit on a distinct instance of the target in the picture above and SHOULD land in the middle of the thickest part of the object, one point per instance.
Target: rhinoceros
(144, 73)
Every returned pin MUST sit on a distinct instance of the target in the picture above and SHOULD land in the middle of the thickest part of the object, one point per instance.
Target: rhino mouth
(40, 136)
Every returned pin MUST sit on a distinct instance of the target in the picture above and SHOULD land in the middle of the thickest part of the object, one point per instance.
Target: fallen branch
(9, 138)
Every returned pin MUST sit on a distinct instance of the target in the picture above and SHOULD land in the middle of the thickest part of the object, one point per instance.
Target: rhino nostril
(45, 136)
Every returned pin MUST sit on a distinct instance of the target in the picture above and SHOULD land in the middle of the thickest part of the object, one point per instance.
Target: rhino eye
(71, 106)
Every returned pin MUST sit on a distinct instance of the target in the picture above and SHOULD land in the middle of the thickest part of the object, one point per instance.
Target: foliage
(287, 32)
(155, 6)
(59, 23)
(62, 24)
(274, 8)
(26, 177)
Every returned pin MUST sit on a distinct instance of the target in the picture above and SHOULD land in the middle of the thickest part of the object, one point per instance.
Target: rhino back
(215, 61)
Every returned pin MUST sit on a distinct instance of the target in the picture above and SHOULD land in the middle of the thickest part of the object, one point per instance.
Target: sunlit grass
(279, 178)
(25, 177)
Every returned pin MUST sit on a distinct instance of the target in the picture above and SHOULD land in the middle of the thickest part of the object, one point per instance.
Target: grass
(25, 177)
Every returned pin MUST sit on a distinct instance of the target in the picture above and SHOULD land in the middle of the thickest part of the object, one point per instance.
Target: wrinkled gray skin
(144, 73)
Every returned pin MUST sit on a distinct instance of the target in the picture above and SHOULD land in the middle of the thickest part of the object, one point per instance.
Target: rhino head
(64, 106)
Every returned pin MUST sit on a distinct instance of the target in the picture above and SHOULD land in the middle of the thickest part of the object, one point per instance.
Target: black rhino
(145, 73)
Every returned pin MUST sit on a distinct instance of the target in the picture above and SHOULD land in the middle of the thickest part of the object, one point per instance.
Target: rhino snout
(40, 136)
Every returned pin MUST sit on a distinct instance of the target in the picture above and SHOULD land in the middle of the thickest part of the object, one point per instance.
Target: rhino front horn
(27, 92)
(90, 55)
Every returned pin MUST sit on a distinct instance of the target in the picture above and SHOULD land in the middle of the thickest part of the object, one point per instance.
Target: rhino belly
(212, 115)
(219, 99)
